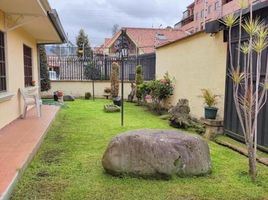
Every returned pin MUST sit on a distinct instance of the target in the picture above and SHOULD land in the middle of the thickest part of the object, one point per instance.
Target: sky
(97, 17)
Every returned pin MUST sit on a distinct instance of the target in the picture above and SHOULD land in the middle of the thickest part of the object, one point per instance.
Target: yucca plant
(249, 90)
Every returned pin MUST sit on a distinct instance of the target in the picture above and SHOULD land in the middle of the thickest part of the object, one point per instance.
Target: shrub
(115, 80)
(159, 90)
(87, 95)
(144, 89)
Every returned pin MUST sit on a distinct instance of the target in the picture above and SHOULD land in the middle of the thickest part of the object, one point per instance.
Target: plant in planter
(87, 95)
(210, 100)
(107, 90)
(58, 96)
(33, 83)
(115, 84)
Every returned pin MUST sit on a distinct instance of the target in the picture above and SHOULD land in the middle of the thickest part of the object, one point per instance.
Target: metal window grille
(3, 86)
(28, 68)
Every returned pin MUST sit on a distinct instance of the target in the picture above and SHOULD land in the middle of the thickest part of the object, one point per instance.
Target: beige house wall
(79, 88)
(12, 109)
(196, 62)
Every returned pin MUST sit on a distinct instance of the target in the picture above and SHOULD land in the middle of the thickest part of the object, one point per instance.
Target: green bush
(159, 90)
(144, 89)
(87, 95)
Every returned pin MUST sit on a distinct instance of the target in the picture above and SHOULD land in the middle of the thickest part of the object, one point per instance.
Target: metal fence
(231, 121)
(99, 68)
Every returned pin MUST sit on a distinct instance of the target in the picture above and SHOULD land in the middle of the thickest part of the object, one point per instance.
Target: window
(161, 36)
(3, 86)
(28, 69)
(217, 5)
(209, 9)
(202, 14)
(196, 16)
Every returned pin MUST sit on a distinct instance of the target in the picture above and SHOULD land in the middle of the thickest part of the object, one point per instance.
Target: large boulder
(157, 154)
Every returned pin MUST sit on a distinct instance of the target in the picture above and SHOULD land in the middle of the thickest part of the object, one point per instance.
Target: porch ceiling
(33, 16)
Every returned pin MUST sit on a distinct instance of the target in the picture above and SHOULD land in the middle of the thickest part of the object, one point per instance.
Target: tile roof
(147, 39)
(100, 49)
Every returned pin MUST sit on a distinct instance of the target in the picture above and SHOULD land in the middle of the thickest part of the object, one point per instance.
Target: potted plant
(115, 84)
(60, 94)
(33, 83)
(210, 100)
(107, 92)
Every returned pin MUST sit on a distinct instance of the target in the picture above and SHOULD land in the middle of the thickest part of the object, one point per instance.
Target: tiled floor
(19, 142)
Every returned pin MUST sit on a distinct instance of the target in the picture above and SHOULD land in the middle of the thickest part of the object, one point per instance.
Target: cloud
(97, 17)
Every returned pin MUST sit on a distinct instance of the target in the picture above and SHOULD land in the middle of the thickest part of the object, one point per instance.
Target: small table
(106, 95)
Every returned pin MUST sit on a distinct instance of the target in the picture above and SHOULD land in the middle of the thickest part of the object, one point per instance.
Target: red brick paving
(19, 141)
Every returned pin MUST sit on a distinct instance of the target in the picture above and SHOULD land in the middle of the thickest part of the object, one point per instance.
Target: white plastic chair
(31, 97)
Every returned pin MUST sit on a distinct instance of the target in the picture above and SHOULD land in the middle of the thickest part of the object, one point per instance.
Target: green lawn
(68, 165)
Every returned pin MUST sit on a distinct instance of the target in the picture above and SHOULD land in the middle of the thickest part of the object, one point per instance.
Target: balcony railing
(187, 20)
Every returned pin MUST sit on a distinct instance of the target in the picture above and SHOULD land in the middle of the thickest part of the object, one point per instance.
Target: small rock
(68, 98)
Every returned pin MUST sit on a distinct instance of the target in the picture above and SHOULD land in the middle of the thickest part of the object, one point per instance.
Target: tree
(82, 42)
(115, 29)
(139, 81)
(45, 82)
(249, 89)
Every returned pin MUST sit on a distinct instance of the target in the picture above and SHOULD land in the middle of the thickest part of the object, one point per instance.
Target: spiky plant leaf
(237, 76)
(245, 48)
(252, 26)
(230, 20)
(259, 44)
(262, 32)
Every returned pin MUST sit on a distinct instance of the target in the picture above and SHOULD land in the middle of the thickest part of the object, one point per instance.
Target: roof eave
(54, 18)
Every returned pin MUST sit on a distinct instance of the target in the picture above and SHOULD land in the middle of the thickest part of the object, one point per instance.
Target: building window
(196, 16)
(209, 9)
(202, 14)
(3, 85)
(28, 68)
(217, 5)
